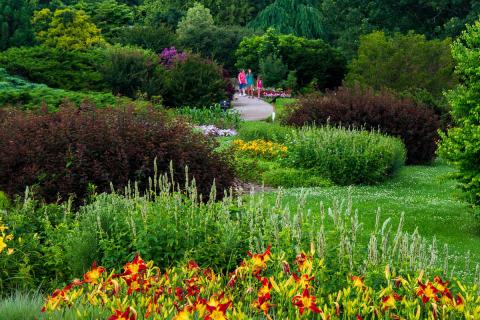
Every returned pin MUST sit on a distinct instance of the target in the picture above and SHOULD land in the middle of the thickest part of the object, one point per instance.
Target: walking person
(242, 82)
(259, 87)
(250, 83)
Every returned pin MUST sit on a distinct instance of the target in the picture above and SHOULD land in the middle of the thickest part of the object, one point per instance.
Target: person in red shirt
(242, 82)
(259, 86)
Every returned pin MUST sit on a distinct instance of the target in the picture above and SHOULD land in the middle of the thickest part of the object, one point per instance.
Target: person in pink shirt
(259, 86)
(242, 81)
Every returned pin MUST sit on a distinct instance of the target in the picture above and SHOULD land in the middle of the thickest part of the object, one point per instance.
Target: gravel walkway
(252, 109)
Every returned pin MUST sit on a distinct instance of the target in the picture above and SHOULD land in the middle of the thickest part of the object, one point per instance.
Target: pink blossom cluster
(170, 55)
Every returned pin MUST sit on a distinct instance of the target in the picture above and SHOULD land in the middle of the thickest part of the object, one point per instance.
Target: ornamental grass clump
(346, 156)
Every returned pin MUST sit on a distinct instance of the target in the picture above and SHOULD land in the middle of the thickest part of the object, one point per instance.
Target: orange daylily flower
(183, 315)
(217, 307)
(263, 303)
(459, 302)
(303, 280)
(266, 288)
(136, 266)
(389, 302)
(124, 315)
(260, 260)
(137, 284)
(306, 302)
(58, 296)
(427, 292)
(304, 262)
(192, 265)
(358, 282)
(94, 274)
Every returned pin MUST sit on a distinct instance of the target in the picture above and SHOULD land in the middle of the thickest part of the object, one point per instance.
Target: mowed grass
(429, 200)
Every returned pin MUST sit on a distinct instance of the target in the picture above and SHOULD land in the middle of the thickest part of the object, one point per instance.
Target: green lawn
(428, 199)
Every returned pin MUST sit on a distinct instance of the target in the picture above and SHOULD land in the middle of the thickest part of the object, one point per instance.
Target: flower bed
(276, 94)
(262, 285)
(260, 148)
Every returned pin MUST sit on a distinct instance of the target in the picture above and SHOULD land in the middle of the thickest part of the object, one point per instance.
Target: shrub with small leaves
(345, 156)
(61, 154)
(415, 124)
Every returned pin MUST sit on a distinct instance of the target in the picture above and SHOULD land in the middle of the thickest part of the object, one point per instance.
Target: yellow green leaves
(67, 29)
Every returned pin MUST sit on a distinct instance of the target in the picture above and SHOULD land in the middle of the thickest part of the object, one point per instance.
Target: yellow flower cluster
(260, 148)
(4, 237)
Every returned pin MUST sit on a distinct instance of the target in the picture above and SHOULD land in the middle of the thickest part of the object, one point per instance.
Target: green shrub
(195, 82)
(359, 107)
(461, 145)
(293, 178)
(273, 71)
(57, 68)
(212, 115)
(265, 131)
(15, 91)
(147, 37)
(132, 71)
(310, 59)
(346, 156)
(403, 63)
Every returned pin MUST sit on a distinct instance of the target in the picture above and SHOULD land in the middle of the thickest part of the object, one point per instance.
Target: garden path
(252, 109)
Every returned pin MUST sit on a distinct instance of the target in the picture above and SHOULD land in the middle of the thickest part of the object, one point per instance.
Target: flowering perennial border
(263, 285)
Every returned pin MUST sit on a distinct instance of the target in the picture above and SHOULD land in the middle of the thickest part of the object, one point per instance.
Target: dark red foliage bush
(415, 124)
(60, 154)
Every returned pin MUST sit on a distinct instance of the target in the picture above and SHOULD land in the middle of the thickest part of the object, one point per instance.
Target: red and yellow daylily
(358, 282)
(135, 267)
(304, 262)
(259, 260)
(306, 302)
(128, 314)
(427, 292)
(94, 274)
(389, 301)
(217, 307)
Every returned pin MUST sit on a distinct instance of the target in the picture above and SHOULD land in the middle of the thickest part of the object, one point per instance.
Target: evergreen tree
(15, 26)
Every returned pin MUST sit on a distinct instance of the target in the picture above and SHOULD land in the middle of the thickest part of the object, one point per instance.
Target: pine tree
(15, 27)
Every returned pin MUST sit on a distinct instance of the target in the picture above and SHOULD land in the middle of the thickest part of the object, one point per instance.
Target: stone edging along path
(252, 109)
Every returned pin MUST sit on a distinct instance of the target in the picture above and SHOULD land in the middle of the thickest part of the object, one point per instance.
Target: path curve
(252, 109)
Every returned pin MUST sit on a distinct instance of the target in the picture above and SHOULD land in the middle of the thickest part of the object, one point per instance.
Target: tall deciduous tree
(403, 63)
(15, 26)
(110, 16)
(461, 145)
(311, 59)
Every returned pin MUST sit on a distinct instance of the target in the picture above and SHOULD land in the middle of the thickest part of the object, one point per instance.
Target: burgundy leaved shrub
(61, 154)
(415, 124)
